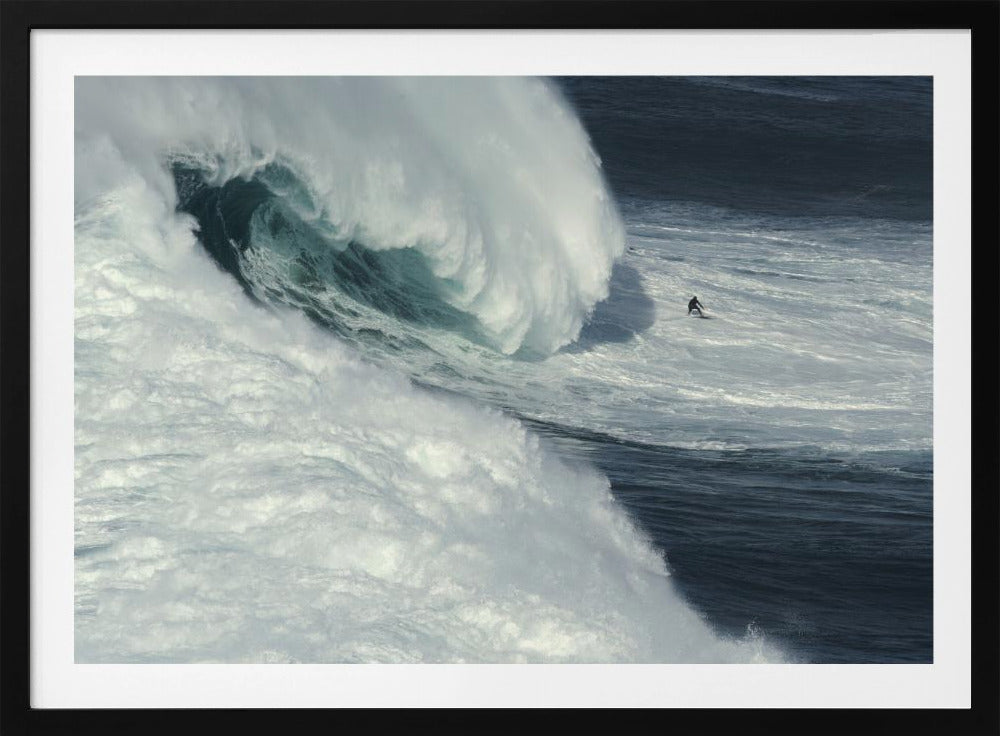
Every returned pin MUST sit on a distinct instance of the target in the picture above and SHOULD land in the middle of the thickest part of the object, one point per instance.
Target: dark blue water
(857, 146)
(829, 556)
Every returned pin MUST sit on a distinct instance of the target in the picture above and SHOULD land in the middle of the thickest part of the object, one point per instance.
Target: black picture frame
(18, 18)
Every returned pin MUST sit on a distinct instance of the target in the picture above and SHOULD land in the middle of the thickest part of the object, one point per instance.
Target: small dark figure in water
(695, 306)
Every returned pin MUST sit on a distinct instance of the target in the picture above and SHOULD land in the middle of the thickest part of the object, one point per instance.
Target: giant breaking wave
(247, 488)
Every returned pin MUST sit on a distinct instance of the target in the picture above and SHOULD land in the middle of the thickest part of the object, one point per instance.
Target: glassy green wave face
(268, 233)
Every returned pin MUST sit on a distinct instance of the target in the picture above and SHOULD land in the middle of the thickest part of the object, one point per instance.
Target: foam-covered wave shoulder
(493, 180)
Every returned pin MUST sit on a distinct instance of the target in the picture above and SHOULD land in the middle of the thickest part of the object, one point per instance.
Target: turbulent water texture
(366, 372)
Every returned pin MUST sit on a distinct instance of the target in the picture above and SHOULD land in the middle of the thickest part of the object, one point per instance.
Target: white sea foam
(492, 179)
(248, 490)
(820, 338)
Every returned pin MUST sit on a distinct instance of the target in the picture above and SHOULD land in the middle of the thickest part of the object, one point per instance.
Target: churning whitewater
(254, 481)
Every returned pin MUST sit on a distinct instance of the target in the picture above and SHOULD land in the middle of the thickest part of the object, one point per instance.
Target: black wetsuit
(693, 305)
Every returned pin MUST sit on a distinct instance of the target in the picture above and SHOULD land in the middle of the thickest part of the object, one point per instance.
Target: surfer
(695, 305)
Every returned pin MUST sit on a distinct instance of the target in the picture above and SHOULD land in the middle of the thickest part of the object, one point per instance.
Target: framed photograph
(431, 362)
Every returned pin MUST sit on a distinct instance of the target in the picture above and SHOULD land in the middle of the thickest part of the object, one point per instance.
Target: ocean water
(401, 370)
